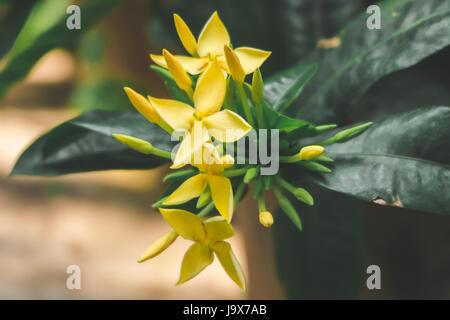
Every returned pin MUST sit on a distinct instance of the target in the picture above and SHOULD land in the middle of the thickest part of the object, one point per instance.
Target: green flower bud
(303, 196)
(288, 208)
(251, 174)
(204, 198)
(314, 166)
(257, 87)
(351, 132)
(134, 143)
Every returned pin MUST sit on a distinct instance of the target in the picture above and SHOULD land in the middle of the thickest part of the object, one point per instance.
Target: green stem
(260, 116)
(289, 187)
(161, 153)
(234, 172)
(289, 159)
(190, 93)
(247, 111)
(239, 192)
(206, 210)
(261, 203)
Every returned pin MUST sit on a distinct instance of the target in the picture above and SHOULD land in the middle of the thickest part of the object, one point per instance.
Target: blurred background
(103, 221)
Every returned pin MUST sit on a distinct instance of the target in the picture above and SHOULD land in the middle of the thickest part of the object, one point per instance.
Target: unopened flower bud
(159, 246)
(251, 174)
(310, 152)
(204, 198)
(257, 87)
(303, 195)
(143, 106)
(134, 143)
(266, 218)
(351, 132)
(178, 73)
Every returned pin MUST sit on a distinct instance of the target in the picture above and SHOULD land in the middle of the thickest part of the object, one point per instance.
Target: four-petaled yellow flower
(205, 119)
(210, 46)
(211, 165)
(208, 236)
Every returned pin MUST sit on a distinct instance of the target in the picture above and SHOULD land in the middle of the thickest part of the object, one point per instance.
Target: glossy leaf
(410, 31)
(402, 161)
(85, 144)
(12, 18)
(24, 56)
(283, 89)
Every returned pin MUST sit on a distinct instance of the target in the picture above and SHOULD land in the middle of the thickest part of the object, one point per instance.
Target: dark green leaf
(27, 53)
(284, 123)
(85, 144)
(12, 18)
(402, 161)
(410, 31)
(284, 88)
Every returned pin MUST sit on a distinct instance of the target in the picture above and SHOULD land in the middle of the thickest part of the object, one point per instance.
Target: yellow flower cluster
(202, 121)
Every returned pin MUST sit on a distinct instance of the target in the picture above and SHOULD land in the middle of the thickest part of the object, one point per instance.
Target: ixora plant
(212, 110)
(400, 160)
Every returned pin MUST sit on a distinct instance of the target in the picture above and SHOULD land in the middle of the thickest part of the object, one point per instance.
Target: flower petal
(177, 71)
(196, 258)
(229, 262)
(226, 126)
(213, 37)
(185, 34)
(206, 158)
(234, 65)
(143, 105)
(210, 90)
(177, 114)
(185, 223)
(190, 189)
(217, 229)
(190, 64)
(222, 195)
(161, 244)
(251, 58)
(192, 142)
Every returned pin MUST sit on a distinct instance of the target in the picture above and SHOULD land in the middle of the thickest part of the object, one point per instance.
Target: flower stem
(161, 153)
(290, 159)
(206, 210)
(247, 111)
(289, 187)
(261, 203)
(260, 116)
(239, 192)
(234, 172)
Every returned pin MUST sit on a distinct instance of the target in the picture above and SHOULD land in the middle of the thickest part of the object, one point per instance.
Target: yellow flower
(159, 246)
(211, 165)
(208, 236)
(205, 119)
(211, 41)
(146, 109)
(179, 74)
(235, 68)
